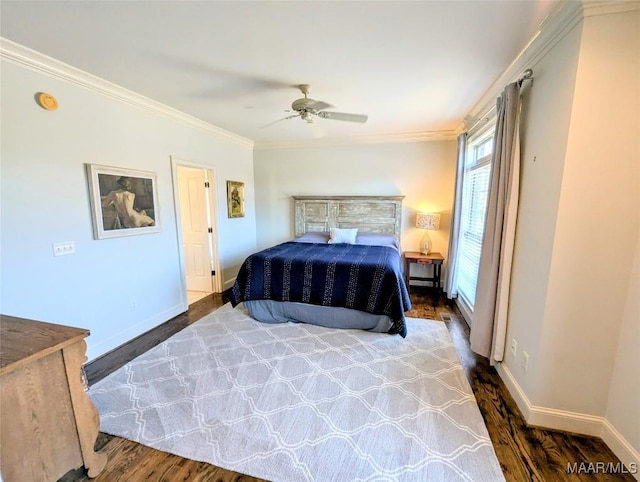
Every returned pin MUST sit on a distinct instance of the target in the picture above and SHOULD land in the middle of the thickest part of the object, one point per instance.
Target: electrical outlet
(514, 347)
(134, 305)
(525, 360)
(64, 247)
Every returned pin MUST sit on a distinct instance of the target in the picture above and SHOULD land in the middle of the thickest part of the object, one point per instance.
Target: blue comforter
(365, 278)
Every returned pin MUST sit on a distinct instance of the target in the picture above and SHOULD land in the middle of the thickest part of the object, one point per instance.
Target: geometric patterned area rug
(296, 402)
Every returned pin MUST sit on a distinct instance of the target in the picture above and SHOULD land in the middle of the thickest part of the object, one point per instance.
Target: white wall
(45, 200)
(574, 301)
(624, 393)
(423, 172)
(546, 115)
(599, 201)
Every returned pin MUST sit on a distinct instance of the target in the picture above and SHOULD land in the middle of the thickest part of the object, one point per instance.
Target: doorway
(197, 228)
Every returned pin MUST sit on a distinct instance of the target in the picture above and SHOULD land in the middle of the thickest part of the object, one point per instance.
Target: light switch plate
(64, 247)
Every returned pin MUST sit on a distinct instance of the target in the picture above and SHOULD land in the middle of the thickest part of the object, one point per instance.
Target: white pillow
(346, 235)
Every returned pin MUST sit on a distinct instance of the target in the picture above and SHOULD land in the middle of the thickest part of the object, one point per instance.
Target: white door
(196, 236)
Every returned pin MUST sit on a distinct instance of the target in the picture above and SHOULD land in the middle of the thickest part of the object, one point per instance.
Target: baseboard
(622, 448)
(112, 343)
(229, 284)
(549, 417)
(514, 389)
(571, 422)
(464, 310)
(565, 421)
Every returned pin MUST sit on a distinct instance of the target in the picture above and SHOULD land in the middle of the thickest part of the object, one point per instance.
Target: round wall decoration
(46, 101)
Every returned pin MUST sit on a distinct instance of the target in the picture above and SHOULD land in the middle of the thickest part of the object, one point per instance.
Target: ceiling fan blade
(344, 116)
(280, 120)
(319, 105)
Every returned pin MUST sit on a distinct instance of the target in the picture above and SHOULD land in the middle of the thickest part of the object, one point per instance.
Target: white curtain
(450, 285)
(489, 328)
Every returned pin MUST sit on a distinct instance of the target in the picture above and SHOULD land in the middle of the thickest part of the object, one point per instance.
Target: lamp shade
(428, 221)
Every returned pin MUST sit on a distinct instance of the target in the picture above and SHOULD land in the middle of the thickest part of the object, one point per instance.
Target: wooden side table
(435, 259)
(49, 424)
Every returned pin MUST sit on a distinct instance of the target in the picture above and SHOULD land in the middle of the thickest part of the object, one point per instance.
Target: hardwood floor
(525, 453)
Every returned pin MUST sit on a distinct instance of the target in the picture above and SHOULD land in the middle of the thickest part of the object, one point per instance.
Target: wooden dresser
(48, 424)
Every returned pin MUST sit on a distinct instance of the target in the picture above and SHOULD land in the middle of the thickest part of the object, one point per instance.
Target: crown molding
(428, 136)
(551, 30)
(592, 8)
(38, 62)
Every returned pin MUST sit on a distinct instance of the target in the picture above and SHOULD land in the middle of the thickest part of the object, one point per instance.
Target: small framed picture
(235, 199)
(124, 202)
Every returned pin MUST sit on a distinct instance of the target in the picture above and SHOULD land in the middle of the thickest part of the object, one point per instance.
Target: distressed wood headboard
(370, 214)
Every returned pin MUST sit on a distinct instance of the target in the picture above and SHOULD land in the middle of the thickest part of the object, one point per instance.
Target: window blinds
(474, 204)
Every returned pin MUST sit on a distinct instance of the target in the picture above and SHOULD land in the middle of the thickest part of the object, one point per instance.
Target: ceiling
(413, 67)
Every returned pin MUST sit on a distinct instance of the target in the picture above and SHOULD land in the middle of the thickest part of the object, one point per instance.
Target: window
(475, 188)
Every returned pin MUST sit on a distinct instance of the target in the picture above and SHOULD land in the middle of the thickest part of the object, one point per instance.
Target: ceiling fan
(308, 109)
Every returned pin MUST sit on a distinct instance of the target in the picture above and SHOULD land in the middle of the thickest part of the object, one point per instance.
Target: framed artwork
(235, 199)
(124, 202)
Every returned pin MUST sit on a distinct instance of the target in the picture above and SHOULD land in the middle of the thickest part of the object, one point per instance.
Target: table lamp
(427, 221)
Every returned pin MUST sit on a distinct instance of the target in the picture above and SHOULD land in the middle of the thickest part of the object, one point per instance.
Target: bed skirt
(270, 311)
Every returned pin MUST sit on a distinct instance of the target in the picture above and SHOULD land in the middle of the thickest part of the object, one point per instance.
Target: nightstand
(435, 259)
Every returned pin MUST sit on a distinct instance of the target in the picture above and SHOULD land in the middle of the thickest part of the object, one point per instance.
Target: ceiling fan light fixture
(308, 109)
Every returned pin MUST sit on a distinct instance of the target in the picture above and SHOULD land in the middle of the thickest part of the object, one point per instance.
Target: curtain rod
(526, 75)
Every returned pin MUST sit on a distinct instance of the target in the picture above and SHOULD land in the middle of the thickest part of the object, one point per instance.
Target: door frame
(213, 213)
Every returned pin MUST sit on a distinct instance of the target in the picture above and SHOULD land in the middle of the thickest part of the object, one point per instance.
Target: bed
(342, 269)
